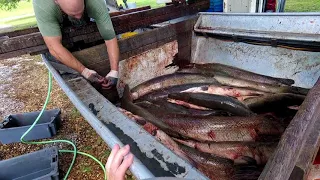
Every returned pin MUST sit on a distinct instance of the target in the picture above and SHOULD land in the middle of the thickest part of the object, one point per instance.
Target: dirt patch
(23, 88)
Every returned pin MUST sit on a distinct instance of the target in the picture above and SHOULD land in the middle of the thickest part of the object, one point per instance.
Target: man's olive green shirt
(50, 17)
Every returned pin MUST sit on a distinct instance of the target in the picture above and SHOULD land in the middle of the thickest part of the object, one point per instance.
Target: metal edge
(262, 14)
(270, 35)
(137, 168)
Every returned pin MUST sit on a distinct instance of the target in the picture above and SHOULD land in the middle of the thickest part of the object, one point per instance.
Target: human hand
(111, 80)
(92, 76)
(118, 162)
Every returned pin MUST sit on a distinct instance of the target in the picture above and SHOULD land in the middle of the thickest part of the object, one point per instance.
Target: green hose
(74, 151)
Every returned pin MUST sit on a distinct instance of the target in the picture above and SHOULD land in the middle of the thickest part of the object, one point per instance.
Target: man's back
(50, 17)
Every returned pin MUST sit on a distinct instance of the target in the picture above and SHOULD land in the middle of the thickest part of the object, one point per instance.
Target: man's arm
(62, 54)
(97, 9)
(113, 52)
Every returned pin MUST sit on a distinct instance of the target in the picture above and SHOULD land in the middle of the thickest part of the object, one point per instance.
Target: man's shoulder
(95, 4)
(48, 6)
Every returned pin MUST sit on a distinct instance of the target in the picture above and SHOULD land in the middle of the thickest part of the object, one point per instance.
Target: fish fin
(288, 82)
(247, 172)
(248, 160)
(127, 94)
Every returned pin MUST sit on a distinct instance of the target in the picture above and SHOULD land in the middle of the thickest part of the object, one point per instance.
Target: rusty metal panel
(302, 66)
(147, 65)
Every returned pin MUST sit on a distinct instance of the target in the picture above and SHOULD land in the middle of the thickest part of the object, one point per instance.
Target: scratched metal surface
(289, 26)
(302, 66)
(147, 65)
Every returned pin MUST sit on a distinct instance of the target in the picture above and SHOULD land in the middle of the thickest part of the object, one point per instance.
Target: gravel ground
(23, 88)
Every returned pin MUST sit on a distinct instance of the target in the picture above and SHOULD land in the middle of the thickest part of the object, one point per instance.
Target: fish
(220, 128)
(168, 81)
(237, 81)
(188, 105)
(172, 145)
(216, 68)
(161, 107)
(135, 118)
(214, 167)
(176, 109)
(213, 101)
(236, 151)
(127, 104)
(225, 91)
(218, 168)
(272, 102)
(230, 81)
(163, 92)
(159, 134)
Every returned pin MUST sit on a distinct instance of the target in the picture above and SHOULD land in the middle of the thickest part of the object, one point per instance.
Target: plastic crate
(13, 127)
(39, 165)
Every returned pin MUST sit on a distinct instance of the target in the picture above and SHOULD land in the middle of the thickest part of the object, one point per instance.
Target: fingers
(107, 84)
(114, 151)
(128, 160)
(119, 157)
(118, 162)
(98, 78)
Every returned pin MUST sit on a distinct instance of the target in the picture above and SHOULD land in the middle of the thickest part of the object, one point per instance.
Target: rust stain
(147, 65)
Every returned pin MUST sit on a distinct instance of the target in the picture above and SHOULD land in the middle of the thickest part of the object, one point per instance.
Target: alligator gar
(216, 68)
(239, 93)
(169, 80)
(236, 151)
(163, 92)
(220, 128)
(212, 166)
(163, 107)
(273, 102)
(213, 101)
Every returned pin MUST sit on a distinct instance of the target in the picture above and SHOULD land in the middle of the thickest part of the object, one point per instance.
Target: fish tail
(288, 82)
(247, 172)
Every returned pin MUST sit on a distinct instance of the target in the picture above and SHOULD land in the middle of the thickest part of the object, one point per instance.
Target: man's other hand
(92, 76)
(118, 162)
(111, 80)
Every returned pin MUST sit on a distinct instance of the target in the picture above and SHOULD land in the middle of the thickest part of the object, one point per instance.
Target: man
(52, 14)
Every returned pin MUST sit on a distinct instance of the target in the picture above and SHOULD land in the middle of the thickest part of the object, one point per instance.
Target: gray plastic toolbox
(13, 127)
(39, 165)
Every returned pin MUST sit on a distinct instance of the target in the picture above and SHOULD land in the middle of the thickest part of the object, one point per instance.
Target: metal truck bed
(147, 55)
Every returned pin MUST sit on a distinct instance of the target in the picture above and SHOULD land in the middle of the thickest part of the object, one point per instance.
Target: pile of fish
(224, 120)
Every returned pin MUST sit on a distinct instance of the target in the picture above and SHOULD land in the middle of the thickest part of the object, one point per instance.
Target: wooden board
(294, 139)
(123, 23)
(36, 29)
(309, 151)
(129, 11)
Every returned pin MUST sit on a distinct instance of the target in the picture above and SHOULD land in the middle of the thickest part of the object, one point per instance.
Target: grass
(23, 8)
(86, 169)
(22, 23)
(302, 6)
(140, 3)
(75, 113)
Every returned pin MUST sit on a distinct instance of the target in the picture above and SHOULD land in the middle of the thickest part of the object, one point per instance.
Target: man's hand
(92, 75)
(111, 80)
(118, 162)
